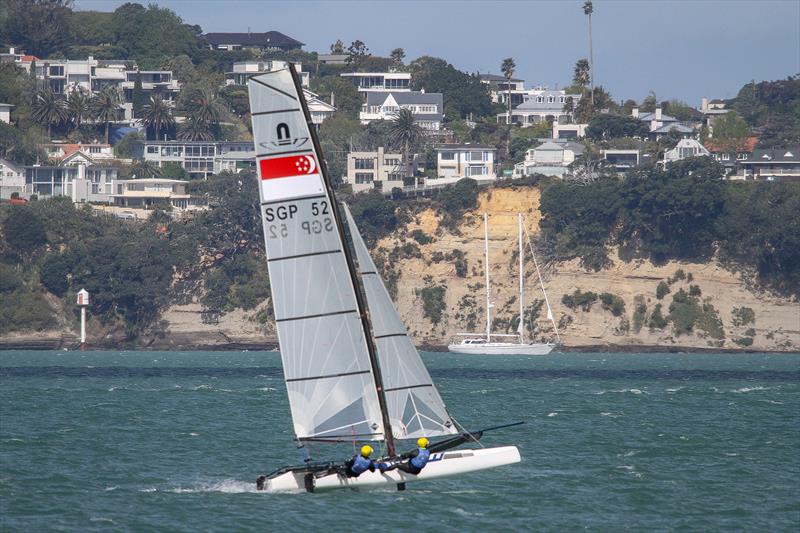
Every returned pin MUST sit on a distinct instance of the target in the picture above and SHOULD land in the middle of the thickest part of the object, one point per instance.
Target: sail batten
(415, 407)
(329, 374)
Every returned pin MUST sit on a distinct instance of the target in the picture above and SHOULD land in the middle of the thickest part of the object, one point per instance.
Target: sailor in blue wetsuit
(416, 459)
(360, 463)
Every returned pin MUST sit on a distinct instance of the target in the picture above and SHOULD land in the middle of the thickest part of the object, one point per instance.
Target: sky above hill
(678, 48)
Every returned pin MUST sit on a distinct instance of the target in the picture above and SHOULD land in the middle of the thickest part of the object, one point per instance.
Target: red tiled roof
(749, 145)
(29, 58)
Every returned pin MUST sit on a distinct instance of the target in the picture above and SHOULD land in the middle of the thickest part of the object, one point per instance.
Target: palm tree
(204, 106)
(78, 107)
(194, 130)
(588, 9)
(157, 115)
(48, 109)
(507, 68)
(144, 170)
(581, 74)
(106, 106)
(405, 132)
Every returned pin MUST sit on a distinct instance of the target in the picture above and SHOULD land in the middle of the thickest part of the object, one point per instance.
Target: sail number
(287, 212)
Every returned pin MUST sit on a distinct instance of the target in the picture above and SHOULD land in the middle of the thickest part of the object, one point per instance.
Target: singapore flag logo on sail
(288, 167)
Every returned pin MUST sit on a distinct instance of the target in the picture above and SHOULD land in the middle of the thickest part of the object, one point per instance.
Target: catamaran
(484, 343)
(352, 373)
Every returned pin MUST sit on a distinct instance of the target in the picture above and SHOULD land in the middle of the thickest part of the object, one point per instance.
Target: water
(133, 441)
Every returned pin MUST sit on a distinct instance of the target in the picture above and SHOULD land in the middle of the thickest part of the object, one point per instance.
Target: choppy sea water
(136, 441)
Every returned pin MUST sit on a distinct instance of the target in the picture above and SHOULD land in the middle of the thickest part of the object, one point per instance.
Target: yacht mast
(486, 268)
(521, 327)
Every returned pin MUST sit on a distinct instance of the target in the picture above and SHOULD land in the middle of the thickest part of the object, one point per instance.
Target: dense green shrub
(459, 260)
(580, 299)
(9, 279)
(743, 316)
(23, 310)
(613, 303)
(433, 304)
(639, 313)
(23, 229)
(657, 320)
(662, 289)
(421, 237)
(694, 290)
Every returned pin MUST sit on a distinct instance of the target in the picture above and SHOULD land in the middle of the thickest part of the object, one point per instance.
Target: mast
(521, 284)
(488, 291)
(541, 283)
(365, 323)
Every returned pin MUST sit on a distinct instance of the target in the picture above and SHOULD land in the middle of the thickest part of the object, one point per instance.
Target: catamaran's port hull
(443, 464)
(501, 349)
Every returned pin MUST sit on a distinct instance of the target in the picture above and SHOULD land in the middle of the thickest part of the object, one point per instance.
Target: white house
(5, 113)
(684, 149)
(243, 70)
(428, 108)
(380, 82)
(622, 159)
(82, 183)
(549, 158)
(569, 131)
(773, 164)
(385, 171)
(73, 153)
(12, 179)
(202, 158)
(152, 192)
(319, 108)
(500, 87)
(541, 106)
(465, 161)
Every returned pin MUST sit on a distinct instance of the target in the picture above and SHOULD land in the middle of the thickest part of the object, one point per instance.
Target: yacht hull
(501, 348)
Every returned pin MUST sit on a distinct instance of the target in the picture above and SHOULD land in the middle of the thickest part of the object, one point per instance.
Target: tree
(195, 130)
(337, 47)
(48, 109)
(581, 75)
(397, 55)
(588, 9)
(139, 98)
(649, 103)
(356, 53)
(128, 146)
(730, 132)
(144, 169)
(23, 229)
(405, 132)
(464, 94)
(157, 115)
(608, 126)
(106, 106)
(40, 27)
(78, 107)
(507, 68)
(204, 107)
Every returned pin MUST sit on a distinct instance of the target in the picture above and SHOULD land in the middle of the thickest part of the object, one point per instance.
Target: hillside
(436, 271)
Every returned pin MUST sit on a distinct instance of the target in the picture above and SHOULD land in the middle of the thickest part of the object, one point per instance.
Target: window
(391, 162)
(539, 99)
(57, 71)
(95, 149)
(365, 164)
(152, 149)
(364, 177)
(561, 99)
(477, 171)
(726, 157)
(550, 99)
(448, 156)
(475, 156)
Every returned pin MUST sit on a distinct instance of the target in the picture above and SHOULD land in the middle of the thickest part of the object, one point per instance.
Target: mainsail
(330, 377)
(415, 407)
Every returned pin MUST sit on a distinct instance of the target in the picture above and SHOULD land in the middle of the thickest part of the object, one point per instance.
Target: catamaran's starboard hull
(441, 464)
(502, 349)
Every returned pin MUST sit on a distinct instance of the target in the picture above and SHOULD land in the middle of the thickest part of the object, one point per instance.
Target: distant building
(428, 108)
(380, 170)
(773, 164)
(75, 153)
(712, 110)
(244, 70)
(541, 106)
(268, 41)
(333, 59)
(12, 179)
(500, 87)
(549, 158)
(379, 82)
(201, 158)
(622, 159)
(661, 124)
(154, 192)
(731, 159)
(82, 183)
(5, 113)
(319, 109)
(465, 161)
(684, 149)
(569, 131)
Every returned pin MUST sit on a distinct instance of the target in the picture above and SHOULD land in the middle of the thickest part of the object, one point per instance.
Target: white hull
(502, 348)
(441, 464)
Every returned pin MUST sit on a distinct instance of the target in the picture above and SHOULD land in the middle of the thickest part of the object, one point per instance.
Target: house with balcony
(244, 70)
(160, 83)
(731, 157)
(685, 149)
(500, 88)
(456, 161)
(12, 179)
(427, 108)
(622, 160)
(541, 106)
(379, 82)
(201, 158)
(379, 170)
(569, 131)
(661, 124)
(82, 183)
(549, 158)
(75, 153)
(270, 41)
(156, 192)
(772, 164)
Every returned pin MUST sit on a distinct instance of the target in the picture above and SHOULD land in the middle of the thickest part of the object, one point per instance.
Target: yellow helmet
(422, 442)
(366, 451)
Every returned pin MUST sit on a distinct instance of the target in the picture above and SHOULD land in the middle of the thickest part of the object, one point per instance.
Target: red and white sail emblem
(288, 167)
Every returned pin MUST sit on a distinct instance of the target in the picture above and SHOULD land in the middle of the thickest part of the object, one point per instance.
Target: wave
(228, 486)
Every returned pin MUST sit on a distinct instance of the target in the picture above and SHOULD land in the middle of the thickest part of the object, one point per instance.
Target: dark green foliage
(679, 275)
(23, 229)
(9, 279)
(687, 313)
(376, 214)
(459, 262)
(463, 93)
(744, 341)
(139, 98)
(129, 146)
(743, 316)
(17, 146)
(694, 290)
(150, 35)
(657, 320)
(639, 313)
(576, 221)
(607, 126)
(23, 310)
(40, 28)
(613, 303)
(174, 171)
(456, 200)
(240, 281)
(577, 299)
(433, 304)
(54, 273)
(421, 237)
(774, 106)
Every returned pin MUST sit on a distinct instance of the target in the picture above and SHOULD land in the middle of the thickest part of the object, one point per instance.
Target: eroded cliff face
(718, 296)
